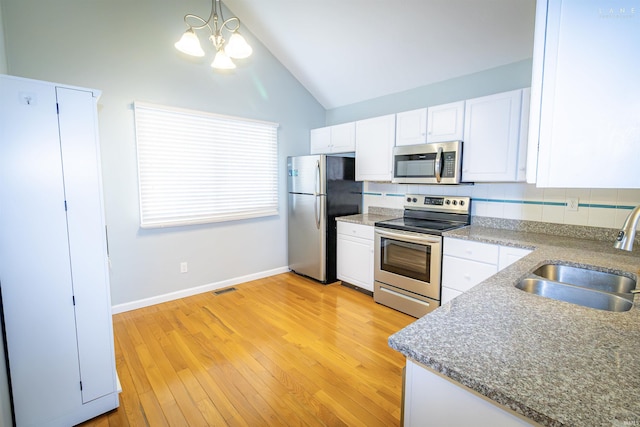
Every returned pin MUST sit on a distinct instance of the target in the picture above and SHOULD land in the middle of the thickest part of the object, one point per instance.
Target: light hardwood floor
(283, 350)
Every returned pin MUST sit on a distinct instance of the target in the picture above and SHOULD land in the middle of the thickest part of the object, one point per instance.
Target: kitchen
(145, 262)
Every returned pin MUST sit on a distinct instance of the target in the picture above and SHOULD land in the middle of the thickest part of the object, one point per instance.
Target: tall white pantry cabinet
(54, 277)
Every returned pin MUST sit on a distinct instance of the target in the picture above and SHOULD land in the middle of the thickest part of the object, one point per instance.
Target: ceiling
(347, 51)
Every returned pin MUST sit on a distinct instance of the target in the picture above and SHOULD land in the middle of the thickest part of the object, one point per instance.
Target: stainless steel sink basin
(592, 279)
(575, 294)
(582, 286)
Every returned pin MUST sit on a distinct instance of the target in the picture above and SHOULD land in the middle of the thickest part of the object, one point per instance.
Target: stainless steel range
(408, 252)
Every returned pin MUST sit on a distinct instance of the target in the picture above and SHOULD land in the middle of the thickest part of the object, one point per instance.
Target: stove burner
(431, 214)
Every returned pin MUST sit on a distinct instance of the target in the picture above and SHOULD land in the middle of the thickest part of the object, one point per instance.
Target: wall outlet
(572, 204)
(184, 267)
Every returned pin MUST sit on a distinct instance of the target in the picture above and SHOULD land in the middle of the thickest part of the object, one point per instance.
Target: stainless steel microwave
(433, 163)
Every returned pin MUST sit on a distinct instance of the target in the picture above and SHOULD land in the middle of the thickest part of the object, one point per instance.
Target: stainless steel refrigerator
(320, 188)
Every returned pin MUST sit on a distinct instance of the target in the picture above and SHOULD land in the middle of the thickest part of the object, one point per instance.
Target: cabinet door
(87, 241)
(375, 139)
(34, 256)
(463, 274)
(343, 138)
(320, 140)
(491, 137)
(585, 91)
(355, 261)
(509, 255)
(411, 127)
(446, 122)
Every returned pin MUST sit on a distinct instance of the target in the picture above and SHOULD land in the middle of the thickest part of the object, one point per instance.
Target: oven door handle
(422, 239)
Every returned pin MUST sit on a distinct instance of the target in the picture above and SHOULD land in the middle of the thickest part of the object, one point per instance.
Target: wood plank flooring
(280, 351)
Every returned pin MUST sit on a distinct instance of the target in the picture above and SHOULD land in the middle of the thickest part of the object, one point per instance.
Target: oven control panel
(455, 204)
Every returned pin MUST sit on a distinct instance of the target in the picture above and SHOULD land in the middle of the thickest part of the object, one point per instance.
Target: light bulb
(238, 47)
(222, 61)
(190, 44)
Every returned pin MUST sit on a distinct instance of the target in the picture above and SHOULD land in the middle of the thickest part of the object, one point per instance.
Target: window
(196, 167)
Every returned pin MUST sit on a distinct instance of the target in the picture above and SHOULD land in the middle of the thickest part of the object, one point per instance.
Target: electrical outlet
(184, 267)
(572, 204)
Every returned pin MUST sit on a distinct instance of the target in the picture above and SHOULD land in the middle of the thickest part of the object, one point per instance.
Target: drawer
(356, 230)
(463, 274)
(476, 251)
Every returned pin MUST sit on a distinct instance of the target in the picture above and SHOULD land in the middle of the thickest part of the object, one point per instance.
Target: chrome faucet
(628, 232)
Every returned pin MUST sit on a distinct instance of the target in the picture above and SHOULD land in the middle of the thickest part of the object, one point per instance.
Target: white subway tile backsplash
(628, 197)
(602, 217)
(597, 207)
(603, 196)
(553, 213)
(557, 195)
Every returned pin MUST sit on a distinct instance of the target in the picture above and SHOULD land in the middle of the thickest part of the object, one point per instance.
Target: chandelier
(236, 47)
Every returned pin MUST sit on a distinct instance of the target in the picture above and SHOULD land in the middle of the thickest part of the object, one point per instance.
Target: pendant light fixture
(235, 48)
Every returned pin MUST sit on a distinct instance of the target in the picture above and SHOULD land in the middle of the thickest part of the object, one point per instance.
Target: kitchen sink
(581, 286)
(575, 294)
(583, 277)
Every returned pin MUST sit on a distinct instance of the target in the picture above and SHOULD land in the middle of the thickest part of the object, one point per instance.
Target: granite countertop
(375, 214)
(553, 362)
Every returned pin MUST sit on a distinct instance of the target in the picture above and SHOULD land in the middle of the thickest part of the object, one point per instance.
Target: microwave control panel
(449, 164)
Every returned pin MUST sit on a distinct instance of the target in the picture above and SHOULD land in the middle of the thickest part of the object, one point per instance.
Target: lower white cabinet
(431, 399)
(466, 263)
(355, 254)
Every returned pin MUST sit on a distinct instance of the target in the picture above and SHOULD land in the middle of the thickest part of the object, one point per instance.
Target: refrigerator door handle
(317, 187)
(315, 210)
(316, 194)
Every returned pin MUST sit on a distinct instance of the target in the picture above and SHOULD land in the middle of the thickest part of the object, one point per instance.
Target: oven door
(410, 261)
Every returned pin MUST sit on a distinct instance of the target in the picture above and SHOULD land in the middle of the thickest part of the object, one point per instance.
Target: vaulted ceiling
(347, 51)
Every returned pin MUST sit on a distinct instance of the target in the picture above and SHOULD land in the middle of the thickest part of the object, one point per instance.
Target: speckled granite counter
(553, 362)
(374, 215)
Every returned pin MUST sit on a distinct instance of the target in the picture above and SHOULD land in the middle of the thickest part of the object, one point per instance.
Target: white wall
(3, 55)
(126, 50)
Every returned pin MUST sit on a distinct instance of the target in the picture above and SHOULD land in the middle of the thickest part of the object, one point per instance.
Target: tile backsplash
(606, 208)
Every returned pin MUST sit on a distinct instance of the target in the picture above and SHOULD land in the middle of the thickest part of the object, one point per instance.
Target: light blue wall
(125, 48)
(501, 79)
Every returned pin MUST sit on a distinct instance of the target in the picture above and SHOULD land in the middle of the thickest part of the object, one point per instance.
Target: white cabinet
(434, 124)
(431, 396)
(53, 255)
(584, 128)
(466, 263)
(375, 139)
(355, 254)
(333, 139)
(509, 255)
(411, 127)
(446, 122)
(495, 135)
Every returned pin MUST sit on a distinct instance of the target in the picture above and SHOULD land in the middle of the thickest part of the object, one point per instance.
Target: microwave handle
(438, 166)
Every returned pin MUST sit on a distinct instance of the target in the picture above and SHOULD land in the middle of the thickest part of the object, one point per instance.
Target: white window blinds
(196, 167)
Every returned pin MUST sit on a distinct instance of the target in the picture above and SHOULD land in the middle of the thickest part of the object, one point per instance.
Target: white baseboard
(121, 308)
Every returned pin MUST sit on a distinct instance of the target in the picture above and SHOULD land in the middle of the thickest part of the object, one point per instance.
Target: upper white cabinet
(333, 139)
(434, 124)
(375, 139)
(584, 123)
(411, 127)
(495, 135)
(53, 255)
(445, 122)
